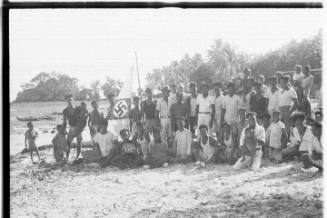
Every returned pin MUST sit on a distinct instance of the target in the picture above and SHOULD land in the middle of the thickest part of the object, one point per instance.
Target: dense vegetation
(223, 62)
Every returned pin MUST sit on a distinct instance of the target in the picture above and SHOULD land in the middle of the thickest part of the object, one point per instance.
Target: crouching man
(204, 150)
(251, 142)
(106, 142)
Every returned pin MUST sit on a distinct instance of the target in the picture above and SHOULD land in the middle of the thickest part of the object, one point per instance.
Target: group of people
(240, 123)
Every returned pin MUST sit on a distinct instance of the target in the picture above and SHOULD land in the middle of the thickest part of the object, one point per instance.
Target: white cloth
(163, 107)
(286, 96)
(298, 76)
(275, 132)
(106, 142)
(183, 141)
(166, 131)
(306, 140)
(265, 91)
(295, 137)
(205, 103)
(193, 106)
(273, 101)
(259, 133)
(207, 151)
(254, 164)
(231, 106)
(306, 85)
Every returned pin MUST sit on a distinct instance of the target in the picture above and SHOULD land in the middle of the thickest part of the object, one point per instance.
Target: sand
(86, 190)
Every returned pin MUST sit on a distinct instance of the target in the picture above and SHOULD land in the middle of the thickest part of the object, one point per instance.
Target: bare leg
(78, 148)
(68, 150)
(37, 152)
(31, 154)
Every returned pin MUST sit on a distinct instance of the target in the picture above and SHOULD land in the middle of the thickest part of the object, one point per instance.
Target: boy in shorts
(59, 144)
(30, 136)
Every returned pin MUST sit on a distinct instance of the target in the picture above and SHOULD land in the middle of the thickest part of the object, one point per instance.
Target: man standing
(70, 114)
(258, 103)
(149, 113)
(306, 85)
(298, 75)
(191, 103)
(273, 102)
(179, 109)
(205, 107)
(95, 118)
(163, 114)
(219, 103)
(231, 106)
(135, 116)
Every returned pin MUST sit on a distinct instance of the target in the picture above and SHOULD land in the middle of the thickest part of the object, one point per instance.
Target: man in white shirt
(205, 107)
(298, 75)
(264, 87)
(219, 103)
(231, 106)
(251, 158)
(163, 114)
(191, 103)
(273, 95)
(105, 142)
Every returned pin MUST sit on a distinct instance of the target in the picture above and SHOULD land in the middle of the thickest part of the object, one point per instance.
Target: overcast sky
(92, 44)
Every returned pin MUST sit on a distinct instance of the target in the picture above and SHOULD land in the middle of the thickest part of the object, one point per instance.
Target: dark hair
(148, 90)
(59, 127)
(297, 116)
(93, 102)
(257, 84)
(265, 115)
(192, 84)
(135, 98)
(251, 113)
(247, 70)
(29, 123)
(273, 78)
(232, 85)
(319, 113)
(286, 78)
(156, 130)
(68, 96)
(104, 122)
(203, 126)
(123, 131)
(83, 103)
(217, 84)
(316, 124)
(307, 68)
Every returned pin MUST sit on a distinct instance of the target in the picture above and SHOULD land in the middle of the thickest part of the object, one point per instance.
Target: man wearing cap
(163, 114)
(149, 113)
(191, 103)
(205, 107)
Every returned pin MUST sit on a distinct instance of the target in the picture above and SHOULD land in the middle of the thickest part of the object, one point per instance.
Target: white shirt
(265, 91)
(275, 132)
(205, 103)
(286, 96)
(315, 145)
(207, 150)
(193, 106)
(259, 133)
(106, 142)
(306, 140)
(273, 100)
(231, 105)
(163, 107)
(306, 85)
(295, 137)
(298, 76)
(219, 105)
(183, 141)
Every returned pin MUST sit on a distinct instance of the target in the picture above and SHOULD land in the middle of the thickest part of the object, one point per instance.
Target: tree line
(54, 87)
(224, 62)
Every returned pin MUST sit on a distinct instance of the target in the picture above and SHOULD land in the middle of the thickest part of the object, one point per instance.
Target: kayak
(27, 118)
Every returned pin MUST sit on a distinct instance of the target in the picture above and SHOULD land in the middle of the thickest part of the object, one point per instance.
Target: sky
(91, 44)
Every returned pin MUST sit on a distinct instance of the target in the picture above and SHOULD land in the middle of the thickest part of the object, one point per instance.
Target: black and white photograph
(168, 112)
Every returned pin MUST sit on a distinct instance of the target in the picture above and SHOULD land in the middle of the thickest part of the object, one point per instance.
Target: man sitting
(205, 150)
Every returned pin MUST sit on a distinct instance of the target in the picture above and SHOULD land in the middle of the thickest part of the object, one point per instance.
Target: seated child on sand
(30, 137)
(128, 153)
(183, 140)
(105, 142)
(157, 154)
(59, 143)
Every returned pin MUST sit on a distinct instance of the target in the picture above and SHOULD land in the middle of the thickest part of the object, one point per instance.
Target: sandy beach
(86, 190)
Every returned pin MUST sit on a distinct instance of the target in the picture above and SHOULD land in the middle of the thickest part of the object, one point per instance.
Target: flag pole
(138, 79)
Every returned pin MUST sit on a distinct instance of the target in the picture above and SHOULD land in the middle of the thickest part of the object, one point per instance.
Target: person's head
(276, 116)
(193, 88)
(261, 78)
(217, 87)
(205, 89)
(203, 130)
(180, 123)
(83, 105)
(124, 134)
(242, 113)
(279, 75)
(165, 92)
(94, 105)
(148, 93)
(264, 120)
(273, 81)
(298, 118)
(69, 100)
(258, 88)
(140, 128)
(157, 135)
(173, 86)
(318, 116)
(252, 119)
(180, 88)
(30, 125)
(250, 83)
(226, 127)
(136, 101)
(284, 81)
(231, 88)
(316, 129)
(103, 126)
(298, 69)
(307, 70)
(110, 98)
(60, 129)
(249, 132)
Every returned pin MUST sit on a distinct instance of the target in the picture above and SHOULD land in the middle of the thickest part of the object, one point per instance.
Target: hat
(165, 89)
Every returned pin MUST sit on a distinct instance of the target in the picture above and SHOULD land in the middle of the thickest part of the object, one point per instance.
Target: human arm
(64, 122)
(25, 141)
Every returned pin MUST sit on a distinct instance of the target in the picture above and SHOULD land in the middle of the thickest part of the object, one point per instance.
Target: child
(129, 153)
(30, 136)
(230, 141)
(250, 142)
(141, 139)
(277, 137)
(157, 155)
(183, 141)
(59, 143)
